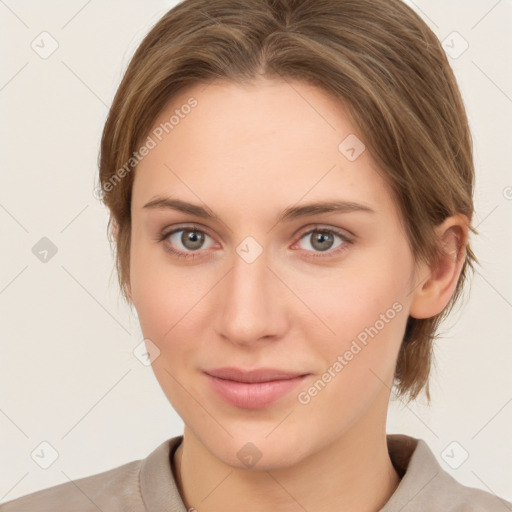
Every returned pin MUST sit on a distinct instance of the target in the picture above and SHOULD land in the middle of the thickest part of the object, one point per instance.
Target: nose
(251, 303)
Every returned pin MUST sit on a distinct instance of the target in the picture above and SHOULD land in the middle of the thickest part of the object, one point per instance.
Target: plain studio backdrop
(71, 387)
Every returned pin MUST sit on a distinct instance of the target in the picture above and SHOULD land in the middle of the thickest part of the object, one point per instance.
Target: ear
(437, 283)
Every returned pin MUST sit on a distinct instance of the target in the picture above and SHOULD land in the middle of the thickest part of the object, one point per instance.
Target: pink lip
(253, 389)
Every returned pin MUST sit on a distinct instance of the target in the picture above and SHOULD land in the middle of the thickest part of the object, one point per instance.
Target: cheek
(363, 352)
(367, 309)
(164, 298)
(361, 298)
(359, 360)
(152, 293)
(170, 302)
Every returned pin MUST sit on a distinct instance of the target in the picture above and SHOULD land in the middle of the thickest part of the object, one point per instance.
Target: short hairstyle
(377, 57)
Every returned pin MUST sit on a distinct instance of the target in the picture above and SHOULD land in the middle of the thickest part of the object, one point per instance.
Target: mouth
(253, 389)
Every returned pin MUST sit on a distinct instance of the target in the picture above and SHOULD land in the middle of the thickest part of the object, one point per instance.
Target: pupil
(320, 239)
(192, 237)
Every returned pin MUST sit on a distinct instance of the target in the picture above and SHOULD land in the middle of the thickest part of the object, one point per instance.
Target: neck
(354, 473)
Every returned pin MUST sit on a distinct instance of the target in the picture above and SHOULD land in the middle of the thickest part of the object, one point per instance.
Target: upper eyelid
(190, 227)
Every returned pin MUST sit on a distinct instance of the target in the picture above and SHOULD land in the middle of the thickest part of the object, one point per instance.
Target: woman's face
(324, 295)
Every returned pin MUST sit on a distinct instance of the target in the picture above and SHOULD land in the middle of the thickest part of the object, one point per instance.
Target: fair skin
(247, 153)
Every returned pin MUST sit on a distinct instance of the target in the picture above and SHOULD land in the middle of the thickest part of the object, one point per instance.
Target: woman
(290, 186)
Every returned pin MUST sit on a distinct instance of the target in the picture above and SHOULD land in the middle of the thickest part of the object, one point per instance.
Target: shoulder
(136, 486)
(448, 494)
(114, 490)
(425, 485)
(452, 496)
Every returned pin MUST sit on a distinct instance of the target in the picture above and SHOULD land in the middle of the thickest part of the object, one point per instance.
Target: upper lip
(256, 375)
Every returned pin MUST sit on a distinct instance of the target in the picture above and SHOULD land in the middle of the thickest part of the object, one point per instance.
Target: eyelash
(164, 235)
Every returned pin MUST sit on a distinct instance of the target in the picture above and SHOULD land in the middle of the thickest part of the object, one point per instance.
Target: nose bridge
(249, 305)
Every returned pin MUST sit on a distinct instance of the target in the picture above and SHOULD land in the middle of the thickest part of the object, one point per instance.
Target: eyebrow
(292, 212)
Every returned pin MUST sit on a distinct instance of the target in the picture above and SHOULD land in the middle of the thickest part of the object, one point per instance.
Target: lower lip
(254, 395)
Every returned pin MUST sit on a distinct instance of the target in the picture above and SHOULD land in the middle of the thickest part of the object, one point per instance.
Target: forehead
(265, 144)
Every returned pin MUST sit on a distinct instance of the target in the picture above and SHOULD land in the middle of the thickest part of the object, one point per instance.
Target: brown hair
(378, 57)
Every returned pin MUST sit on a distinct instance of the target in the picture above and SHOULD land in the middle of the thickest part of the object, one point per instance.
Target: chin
(257, 452)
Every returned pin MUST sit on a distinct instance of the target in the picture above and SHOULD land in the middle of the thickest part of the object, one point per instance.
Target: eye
(323, 241)
(187, 239)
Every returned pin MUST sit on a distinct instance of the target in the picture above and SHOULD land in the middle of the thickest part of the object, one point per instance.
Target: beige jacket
(148, 485)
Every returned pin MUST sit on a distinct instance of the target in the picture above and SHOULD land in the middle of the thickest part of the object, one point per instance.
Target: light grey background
(68, 375)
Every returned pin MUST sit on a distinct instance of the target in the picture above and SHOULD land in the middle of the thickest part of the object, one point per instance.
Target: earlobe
(433, 292)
